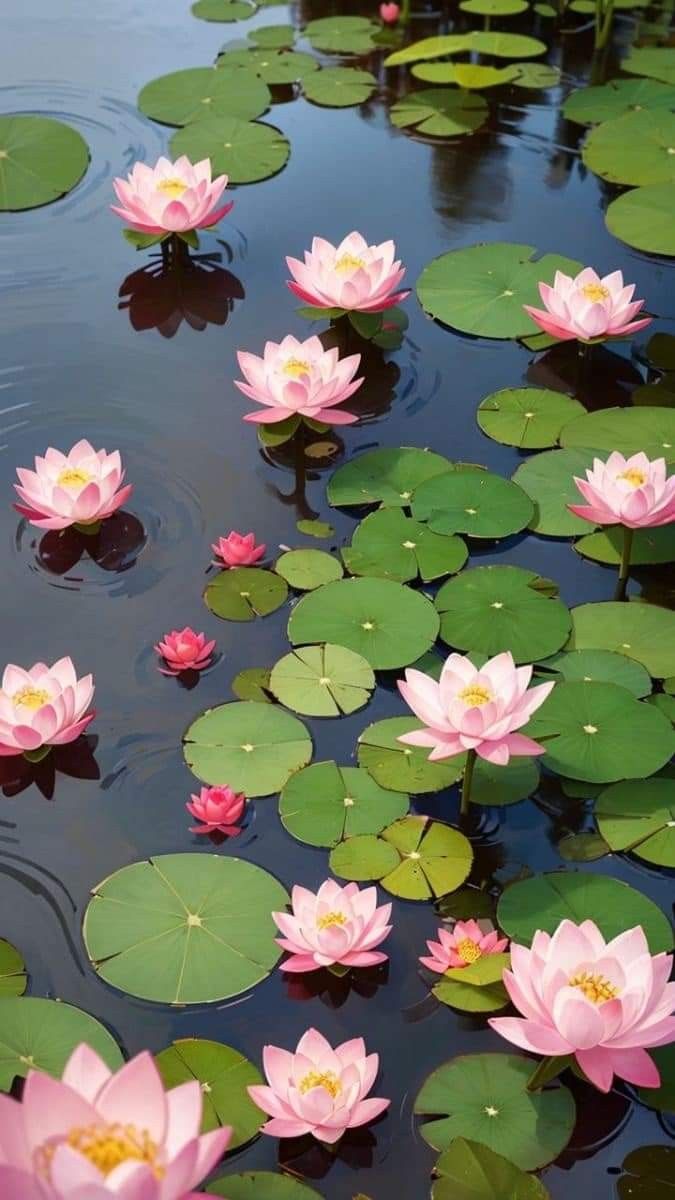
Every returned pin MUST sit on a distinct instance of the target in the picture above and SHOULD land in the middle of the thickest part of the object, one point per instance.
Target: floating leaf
(461, 995)
(252, 684)
(315, 529)
(392, 546)
(414, 858)
(485, 1097)
(657, 62)
(13, 978)
(464, 75)
(244, 593)
(274, 66)
(40, 160)
(339, 87)
(342, 35)
(196, 927)
(536, 75)
(640, 631)
(222, 10)
(41, 1035)
(639, 817)
(273, 37)
(501, 45)
(440, 112)
(583, 847)
(261, 1185)
(630, 430)
(543, 901)
(469, 1171)
(404, 768)
(634, 149)
(363, 858)
(648, 1174)
(529, 418)
(385, 622)
(308, 569)
(492, 609)
(223, 1075)
(662, 1097)
(603, 666)
(250, 747)
(386, 476)
(645, 218)
(186, 96)
(548, 479)
(322, 681)
(477, 503)
(467, 903)
(590, 105)
(494, 8)
(655, 545)
(501, 786)
(245, 151)
(326, 803)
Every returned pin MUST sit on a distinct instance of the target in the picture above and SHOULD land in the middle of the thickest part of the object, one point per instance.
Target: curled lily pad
(256, 1185)
(322, 681)
(635, 149)
(40, 160)
(403, 768)
(326, 803)
(384, 476)
(191, 95)
(440, 112)
(273, 66)
(339, 87)
(244, 593)
(196, 927)
(599, 666)
(639, 816)
(253, 748)
(590, 105)
(529, 418)
(648, 546)
(13, 977)
(464, 75)
(548, 479)
(37, 1034)
(501, 45)
(476, 503)
(308, 569)
(224, 1076)
(491, 609)
(392, 546)
(469, 1171)
(640, 631)
(223, 10)
(245, 151)
(342, 35)
(414, 858)
(644, 217)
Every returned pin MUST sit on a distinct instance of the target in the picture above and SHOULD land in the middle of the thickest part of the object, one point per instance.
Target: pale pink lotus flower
(95, 1134)
(171, 197)
(472, 709)
(390, 13)
(587, 307)
(318, 1090)
(238, 550)
(299, 379)
(45, 706)
(219, 809)
(603, 1002)
(468, 941)
(81, 487)
(352, 276)
(336, 925)
(634, 492)
(184, 650)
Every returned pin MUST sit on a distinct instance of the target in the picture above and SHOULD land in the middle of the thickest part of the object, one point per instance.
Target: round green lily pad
(482, 289)
(639, 816)
(248, 746)
(536, 75)
(494, 8)
(404, 768)
(308, 569)
(363, 858)
(548, 479)
(37, 1034)
(342, 35)
(245, 151)
(272, 37)
(222, 10)
(485, 1097)
(440, 112)
(630, 430)
(191, 95)
(645, 218)
(456, 993)
(254, 1185)
(339, 87)
(252, 684)
(415, 858)
(543, 901)
(391, 546)
(529, 418)
(273, 66)
(224, 1076)
(657, 62)
(491, 609)
(385, 622)
(655, 545)
(384, 476)
(590, 105)
(476, 503)
(599, 666)
(244, 593)
(464, 75)
(648, 1173)
(635, 149)
(13, 977)
(40, 160)
(315, 529)
(469, 1171)
(644, 632)
(662, 1097)
(184, 928)
(322, 681)
(326, 803)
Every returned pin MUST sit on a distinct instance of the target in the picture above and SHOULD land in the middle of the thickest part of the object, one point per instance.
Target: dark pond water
(73, 363)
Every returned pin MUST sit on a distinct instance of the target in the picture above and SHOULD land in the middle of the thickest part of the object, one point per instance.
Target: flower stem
(547, 1070)
(624, 569)
(467, 780)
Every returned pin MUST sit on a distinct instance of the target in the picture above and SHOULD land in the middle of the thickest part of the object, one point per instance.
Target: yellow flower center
(31, 697)
(595, 987)
(295, 367)
(325, 1079)
(475, 695)
(469, 951)
(107, 1146)
(73, 477)
(331, 918)
(349, 262)
(595, 292)
(172, 187)
(634, 477)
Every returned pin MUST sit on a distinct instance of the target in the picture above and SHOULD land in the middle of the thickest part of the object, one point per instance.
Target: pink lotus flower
(353, 276)
(628, 491)
(184, 650)
(318, 1090)
(299, 379)
(465, 945)
(45, 706)
(603, 1002)
(81, 487)
(94, 1134)
(390, 13)
(337, 925)
(171, 197)
(587, 307)
(219, 808)
(472, 709)
(238, 550)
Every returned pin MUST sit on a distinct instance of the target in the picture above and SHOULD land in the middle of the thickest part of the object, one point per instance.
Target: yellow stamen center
(107, 1146)
(172, 187)
(595, 292)
(634, 477)
(295, 367)
(475, 695)
(468, 950)
(349, 262)
(73, 477)
(325, 1079)
(331, 918)
(595, 987)
(31, 697)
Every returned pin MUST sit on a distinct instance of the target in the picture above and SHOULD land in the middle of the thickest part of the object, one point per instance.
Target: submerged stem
(466, 781)
(624, 569)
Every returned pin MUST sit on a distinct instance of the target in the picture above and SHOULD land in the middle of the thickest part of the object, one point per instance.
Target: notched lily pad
(339, 87)
(644, 217)
(322, 681)
(591, 105)
(404, 768)
(13, 976)
(244, 593)
(391, 546)
(37, 1034)
(308, 569)
(251, 747)
(648, 546)
(40, 160)
(639, 817)
(548, 479)
(273, 66)
(325, 804)
(599, 666)
(256, 1185)
(476, 503)
(223, 11)
(496, 608)
(440, 112)
(529, 418)
(636, 149)
(384, 476)
(342, 35)
(245, 151)
(414, 858)
(643, 632)
(223, 1075)
(648, 1174)
(469, 1171)
(198, 92)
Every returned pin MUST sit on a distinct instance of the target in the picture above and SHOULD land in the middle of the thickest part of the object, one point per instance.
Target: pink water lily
(336, 925)
(184, 650)
(45, 706)
(587, 307)
(299, 379)
(170, 197)
(390, 13)
(634, 492)
(218, 809)
(603, 1002)
(238, 550)
(352, 276)
(95, 1134)
(81, 487)
(318, 1090)
(468, 941)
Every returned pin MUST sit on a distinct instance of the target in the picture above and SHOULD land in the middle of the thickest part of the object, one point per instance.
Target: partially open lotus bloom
(353, 276)
(171, 197)
(336, 925)
(634, 492)
(219, 810)
(94, 1134)
(390, 13)
(45, 706)
(184, 650)
(463, 946)
(603, 1002)
(587, 307)
(472, 709)
(81, 487)
(299, 379)
(238, 550)
(318, 1090)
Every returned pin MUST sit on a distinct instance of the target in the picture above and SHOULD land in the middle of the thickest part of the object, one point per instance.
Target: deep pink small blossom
(296, 378)
(81, 487)
(467, 942)
(390, 13)
(353, 276)
(171, 197)
(587, 307)
(219, 809)
(238, 550)
(184, 650)
(336, 925)
(45, 706)
(634, 492)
